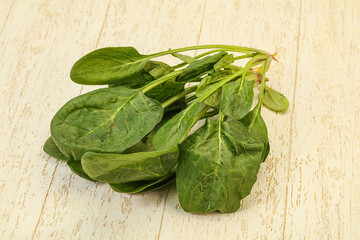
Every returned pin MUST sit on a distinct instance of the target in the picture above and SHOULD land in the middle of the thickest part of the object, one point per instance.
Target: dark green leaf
(104, 120)
(274, 100)
(53, 151)
(76, 167)
(108, 66)
(121, 168)
(200, 66)
(143, 186)
(166, 90)
(176, 129)
(217, 168)
(256, 126)
(237, 98)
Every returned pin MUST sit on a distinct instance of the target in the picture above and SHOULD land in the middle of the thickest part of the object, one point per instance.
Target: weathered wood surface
(308, 188)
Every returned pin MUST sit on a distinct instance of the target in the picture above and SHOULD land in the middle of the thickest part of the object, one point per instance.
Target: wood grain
(308, 188)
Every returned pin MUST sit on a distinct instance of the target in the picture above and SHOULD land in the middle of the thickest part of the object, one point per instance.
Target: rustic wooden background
(308, 188)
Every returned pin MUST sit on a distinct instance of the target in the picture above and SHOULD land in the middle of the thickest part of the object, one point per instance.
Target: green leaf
(256, 126)
(76, 167)
(274, 100)
(184, 58)
(237, 98)
(200, 66)
(104, 120)
(207, 83)
(157, 69)
(223, 62)
(121, 168)
(108, 66)
(166, 90)
(143, 186)
(217, 168)
(176, 129)
(53, 151)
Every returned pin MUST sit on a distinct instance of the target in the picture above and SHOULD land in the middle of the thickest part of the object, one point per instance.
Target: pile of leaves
(134, 133)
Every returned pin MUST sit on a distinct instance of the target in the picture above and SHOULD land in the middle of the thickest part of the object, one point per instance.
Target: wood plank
(34, 67)
(249, 23)
(76, 208)
(323, 181)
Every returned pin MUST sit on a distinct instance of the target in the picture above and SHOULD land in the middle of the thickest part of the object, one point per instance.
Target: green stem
(200, 114)
(178, 96)
(244, 56)
(262, 87)
(160, 80)
(191, 98)
(220, 47)
(210, 114)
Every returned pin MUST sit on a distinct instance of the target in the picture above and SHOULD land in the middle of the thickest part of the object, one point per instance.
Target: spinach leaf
(176, 129)
(217, 167)
(184, 58)
(224, 61)
(122, 168)
(166, 90)
(53, 151)
(198, 67)
(207, 83)
(108, 66)
(143, 186)
(237, 98)
(104, 120)
(76, 167)
(256, 126)
(274, 100)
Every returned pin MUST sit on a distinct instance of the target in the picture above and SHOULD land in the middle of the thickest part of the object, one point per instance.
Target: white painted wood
(308, 188)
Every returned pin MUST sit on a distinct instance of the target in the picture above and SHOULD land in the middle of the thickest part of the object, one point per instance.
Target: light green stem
(220, 47)
(160, 80)
(178, 96)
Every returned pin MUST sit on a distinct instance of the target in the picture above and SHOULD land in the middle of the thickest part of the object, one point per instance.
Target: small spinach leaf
(53, 151)
(217, 167)
(108, 66)
(104, 120)
(121, 168)
(200, 66)
(237, 98)
(184, 58)
(274, 100)
(223, 62)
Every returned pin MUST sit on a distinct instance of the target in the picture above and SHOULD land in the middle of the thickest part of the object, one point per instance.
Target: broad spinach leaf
(237, 98)
(104, 120)
(108, 66)
(175, 130)
(53, 151)
(200, 66)
(217, 168)
(274, 100)
(122, 168)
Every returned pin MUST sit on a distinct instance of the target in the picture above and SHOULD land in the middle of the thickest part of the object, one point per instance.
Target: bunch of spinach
(134, 133)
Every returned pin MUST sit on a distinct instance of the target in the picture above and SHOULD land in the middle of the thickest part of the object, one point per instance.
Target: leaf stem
(160, 80)
(191, 98)
(179, 96)
(220, 47)
(199, 115)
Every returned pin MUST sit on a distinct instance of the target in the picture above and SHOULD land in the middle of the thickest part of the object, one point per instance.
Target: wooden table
(308, 188)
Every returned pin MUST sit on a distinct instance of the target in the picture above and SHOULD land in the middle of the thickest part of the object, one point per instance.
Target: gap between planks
(57, 164)
(292, 119)
(197, 44)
